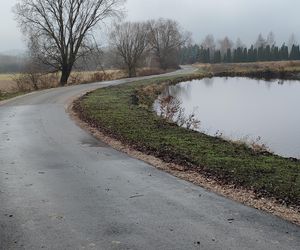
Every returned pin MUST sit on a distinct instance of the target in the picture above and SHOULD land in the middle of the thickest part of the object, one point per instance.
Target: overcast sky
(235, 18)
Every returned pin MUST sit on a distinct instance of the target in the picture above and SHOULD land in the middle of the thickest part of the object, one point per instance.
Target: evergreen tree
(275, 53)
(250, 55)
(260, 54)
(207, 56)
(227, 56)
(217, 56)
(255, 55)
(238, 55)
(204, 55)
(295, 53)
(245, 55)
(284, 52)
(267, 51)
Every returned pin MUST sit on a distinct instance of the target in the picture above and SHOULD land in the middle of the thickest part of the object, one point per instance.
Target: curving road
(62, 189)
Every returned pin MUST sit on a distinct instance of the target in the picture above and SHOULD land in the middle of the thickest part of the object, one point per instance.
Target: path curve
(60, 188)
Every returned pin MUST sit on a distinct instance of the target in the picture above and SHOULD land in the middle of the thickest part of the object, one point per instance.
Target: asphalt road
(62, 189)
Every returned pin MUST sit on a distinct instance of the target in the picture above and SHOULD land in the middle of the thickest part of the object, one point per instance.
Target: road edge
(239, 195)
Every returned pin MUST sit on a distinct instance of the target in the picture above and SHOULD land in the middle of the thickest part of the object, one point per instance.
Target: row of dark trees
(195, 53)
(225, 51)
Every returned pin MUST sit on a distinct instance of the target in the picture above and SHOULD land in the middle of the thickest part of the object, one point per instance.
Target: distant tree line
(227, 52)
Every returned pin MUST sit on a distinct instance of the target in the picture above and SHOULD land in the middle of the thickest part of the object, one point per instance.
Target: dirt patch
(240, 195)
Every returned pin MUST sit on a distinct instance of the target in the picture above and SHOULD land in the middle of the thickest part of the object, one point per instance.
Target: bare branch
(61, 29)
(165, 39)
(130, 42)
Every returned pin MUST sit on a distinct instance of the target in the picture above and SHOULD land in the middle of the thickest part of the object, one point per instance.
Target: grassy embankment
(5, 96)
(125, 113)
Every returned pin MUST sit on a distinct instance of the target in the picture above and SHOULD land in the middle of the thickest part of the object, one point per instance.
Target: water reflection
(246, 108)
(208, 82)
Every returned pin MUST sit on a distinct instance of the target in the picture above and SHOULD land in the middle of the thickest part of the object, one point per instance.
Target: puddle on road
(93, 143)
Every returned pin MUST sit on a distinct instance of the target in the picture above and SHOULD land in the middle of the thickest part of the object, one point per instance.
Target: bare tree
(171, 110)
(292, 41)
(209, 43)
(130, 42)
(260, 42)
(271, 39)
(225, 44)
(239, 43)
(165, 39)
(32, 72)
(29, 78)
(62, 29)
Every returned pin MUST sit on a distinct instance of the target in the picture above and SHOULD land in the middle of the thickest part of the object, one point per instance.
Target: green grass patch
(5, 96)
(126, 115)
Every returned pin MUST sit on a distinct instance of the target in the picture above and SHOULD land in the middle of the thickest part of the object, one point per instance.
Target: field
(9, 85)
(236, 68)
(6, 83)
(125, 113)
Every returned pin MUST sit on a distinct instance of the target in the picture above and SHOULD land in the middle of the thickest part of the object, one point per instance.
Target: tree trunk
(65, 74)
(162, 63)
(131, 72)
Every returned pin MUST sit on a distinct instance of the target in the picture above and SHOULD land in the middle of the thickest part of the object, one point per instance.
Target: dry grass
(287, 66)
(94, 76)
(8, 83)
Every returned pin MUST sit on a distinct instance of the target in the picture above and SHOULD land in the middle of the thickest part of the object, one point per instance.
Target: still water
(245, 109)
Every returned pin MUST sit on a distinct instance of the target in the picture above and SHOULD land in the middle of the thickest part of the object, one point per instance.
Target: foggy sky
(235, 18)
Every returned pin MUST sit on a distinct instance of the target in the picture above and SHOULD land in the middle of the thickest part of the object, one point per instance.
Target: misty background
(234, 18)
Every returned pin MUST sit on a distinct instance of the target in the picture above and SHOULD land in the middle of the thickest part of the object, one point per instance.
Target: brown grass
(8, 83)
(287, 66)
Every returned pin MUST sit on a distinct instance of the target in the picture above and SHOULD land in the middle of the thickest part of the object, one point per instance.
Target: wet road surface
(62, 189)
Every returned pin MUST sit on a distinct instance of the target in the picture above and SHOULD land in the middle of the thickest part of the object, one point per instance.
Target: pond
(244, 109)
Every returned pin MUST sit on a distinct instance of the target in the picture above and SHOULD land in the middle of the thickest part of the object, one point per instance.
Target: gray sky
(235, 18)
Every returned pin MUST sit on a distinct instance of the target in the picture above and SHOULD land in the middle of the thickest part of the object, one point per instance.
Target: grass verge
(125, 114)
(6, 96)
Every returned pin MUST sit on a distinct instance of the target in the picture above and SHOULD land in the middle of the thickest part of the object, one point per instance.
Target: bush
(100, 76)
(34, 81)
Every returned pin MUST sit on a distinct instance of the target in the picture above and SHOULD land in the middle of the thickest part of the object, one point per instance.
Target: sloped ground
(125, 114)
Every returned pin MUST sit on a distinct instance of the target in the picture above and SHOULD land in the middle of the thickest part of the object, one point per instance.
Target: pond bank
(124, 113)
(259, 113)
